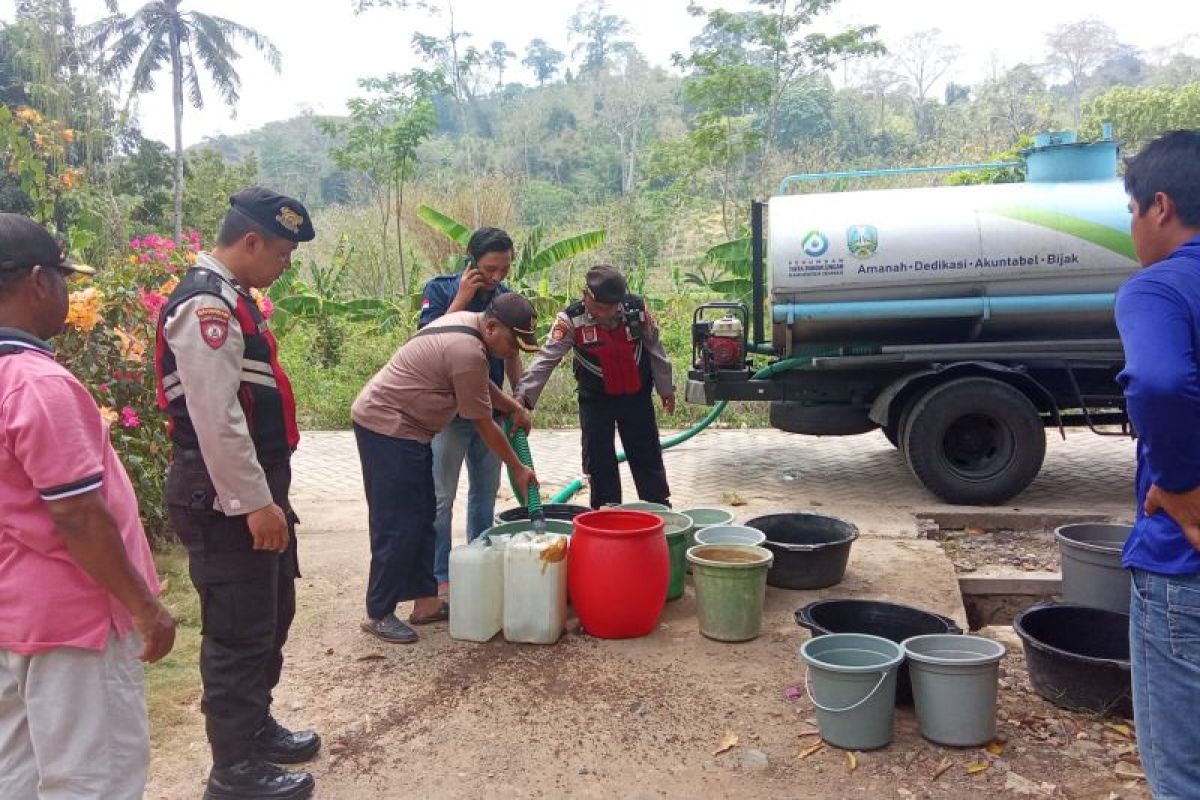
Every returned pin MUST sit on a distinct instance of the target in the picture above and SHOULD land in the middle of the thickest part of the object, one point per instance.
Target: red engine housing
(726, 351)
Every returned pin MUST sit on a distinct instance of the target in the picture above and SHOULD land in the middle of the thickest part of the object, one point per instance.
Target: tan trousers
(73, 724)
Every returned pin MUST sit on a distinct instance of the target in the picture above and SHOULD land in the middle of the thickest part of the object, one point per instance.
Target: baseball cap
(24, 244)
(517, 313)
(606, 284)
(283, 216)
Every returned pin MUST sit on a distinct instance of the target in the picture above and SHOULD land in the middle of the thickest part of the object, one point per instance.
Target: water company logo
(814, 244)
(862, 240)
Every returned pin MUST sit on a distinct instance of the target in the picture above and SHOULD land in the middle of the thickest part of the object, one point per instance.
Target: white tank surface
(836, 260)
(477, 590)
(535, 588)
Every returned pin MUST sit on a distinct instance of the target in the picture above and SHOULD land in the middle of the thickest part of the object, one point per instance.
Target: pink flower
(130, 418)
(103, 387)
(153, 302)
(152, 240)
(144, 258)
(168, 244)
(268, 307)
(136, 244)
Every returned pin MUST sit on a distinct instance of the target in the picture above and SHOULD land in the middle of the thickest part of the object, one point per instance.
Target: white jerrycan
(535, 588)
(476, 590)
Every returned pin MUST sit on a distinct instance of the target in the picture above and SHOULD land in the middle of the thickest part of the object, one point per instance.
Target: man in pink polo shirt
(78, 588)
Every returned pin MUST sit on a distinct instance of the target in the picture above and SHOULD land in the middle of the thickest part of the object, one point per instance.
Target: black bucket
(811, 550)
(889, 620)
(1078, 657)
(561, 511)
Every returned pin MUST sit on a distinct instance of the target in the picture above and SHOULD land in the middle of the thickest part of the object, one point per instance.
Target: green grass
(324, 395)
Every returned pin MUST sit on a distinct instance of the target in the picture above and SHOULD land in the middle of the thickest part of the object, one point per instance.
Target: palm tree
(159, 33)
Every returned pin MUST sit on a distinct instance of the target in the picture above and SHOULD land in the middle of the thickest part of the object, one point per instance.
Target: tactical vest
(265, 393)
(611, 362)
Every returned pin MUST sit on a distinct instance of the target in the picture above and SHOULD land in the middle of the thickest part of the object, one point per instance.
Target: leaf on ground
(851, 761)
(976, 767)
(792, 692)
(808, 751)
(941, 768)
(802, 734)
(371, 657)
(727, 742)
(995, 748)
(1121, 728)
(1129, 774)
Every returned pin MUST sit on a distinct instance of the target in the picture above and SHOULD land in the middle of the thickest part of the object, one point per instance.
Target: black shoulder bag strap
(434, 331)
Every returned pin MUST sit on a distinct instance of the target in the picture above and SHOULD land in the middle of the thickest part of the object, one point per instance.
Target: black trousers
(633, 417)
(247, 602)
(402, 504)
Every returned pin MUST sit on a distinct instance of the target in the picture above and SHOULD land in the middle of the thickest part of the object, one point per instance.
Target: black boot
(257, 780)
(278, 745)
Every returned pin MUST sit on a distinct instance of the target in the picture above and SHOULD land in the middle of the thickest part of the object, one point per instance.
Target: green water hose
(779, 366)
(533, 502)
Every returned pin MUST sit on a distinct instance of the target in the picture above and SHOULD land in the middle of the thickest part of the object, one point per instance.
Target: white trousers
(73, 724)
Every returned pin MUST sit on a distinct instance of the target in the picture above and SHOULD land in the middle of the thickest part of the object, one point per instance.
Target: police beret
(606, 284)
(281, 215)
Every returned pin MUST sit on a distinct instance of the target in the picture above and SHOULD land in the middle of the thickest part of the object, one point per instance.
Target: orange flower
(133, 349)
(110, 417)
(28, 115)
(84, 311)
(169, 286)
(68, 135)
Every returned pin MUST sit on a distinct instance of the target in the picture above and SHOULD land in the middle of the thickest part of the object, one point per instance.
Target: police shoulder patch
(214, 326)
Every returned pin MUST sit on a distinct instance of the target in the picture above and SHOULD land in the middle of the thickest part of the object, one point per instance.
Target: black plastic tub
(1078, 656)
(563, 511)
(811, 550)
(890, 620)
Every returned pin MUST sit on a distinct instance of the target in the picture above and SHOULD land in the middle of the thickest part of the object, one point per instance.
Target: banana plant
(726, 271)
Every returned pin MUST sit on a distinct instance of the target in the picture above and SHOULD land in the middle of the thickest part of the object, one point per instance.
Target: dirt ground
(636, 718)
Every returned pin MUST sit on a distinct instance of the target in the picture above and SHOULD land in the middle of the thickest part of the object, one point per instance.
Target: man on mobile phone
(489, 257)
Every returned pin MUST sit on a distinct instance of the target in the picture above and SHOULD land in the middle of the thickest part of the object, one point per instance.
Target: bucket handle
(808, 688)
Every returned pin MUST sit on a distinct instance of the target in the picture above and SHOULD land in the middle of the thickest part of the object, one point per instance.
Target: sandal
(441, 615)
(390, 629)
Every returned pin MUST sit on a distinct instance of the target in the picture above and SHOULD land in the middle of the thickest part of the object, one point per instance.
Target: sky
(326, 48)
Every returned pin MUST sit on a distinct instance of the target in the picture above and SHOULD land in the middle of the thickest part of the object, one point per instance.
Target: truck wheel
(974, 441)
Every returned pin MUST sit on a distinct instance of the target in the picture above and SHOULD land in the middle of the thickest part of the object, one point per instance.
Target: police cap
(283, 216)
(606, 284)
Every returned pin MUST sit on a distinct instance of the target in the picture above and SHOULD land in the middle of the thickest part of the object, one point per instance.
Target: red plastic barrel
(617, 572)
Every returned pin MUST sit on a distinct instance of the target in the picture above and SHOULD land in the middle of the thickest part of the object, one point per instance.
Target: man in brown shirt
(441, 371)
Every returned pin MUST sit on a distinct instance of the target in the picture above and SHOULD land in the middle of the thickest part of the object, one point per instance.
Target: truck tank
(1026, 261)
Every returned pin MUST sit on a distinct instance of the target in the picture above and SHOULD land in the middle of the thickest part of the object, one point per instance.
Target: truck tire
(894, 433)
(974, 441)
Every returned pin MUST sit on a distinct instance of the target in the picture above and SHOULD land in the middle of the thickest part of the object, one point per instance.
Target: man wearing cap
(618, 358)
(489, 256)
(438, 373)
(233, 425)
(78, 589)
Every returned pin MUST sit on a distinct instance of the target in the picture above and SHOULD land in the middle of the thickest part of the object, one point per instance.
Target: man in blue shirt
(1158, 313)
(489, 256)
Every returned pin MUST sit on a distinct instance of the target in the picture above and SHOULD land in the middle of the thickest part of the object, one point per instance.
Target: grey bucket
(954, 680)
(851, 679)
(729, 534)
(1092, 574)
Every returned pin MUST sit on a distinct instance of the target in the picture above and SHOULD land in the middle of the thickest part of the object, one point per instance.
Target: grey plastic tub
(851, 679)
(954, 681)
(1092, 574)
(730, 534)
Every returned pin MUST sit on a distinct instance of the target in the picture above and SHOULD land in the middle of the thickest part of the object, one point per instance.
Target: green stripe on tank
(1101, 235)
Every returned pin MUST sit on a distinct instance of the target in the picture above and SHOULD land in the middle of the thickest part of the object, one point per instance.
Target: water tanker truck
(961, 320)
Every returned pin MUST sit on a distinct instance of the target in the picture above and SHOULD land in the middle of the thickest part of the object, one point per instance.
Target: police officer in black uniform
(233, 425)
(618, 359)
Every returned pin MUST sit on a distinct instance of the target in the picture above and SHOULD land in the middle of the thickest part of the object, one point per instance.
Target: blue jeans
(1164, 640)
(460, 441)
